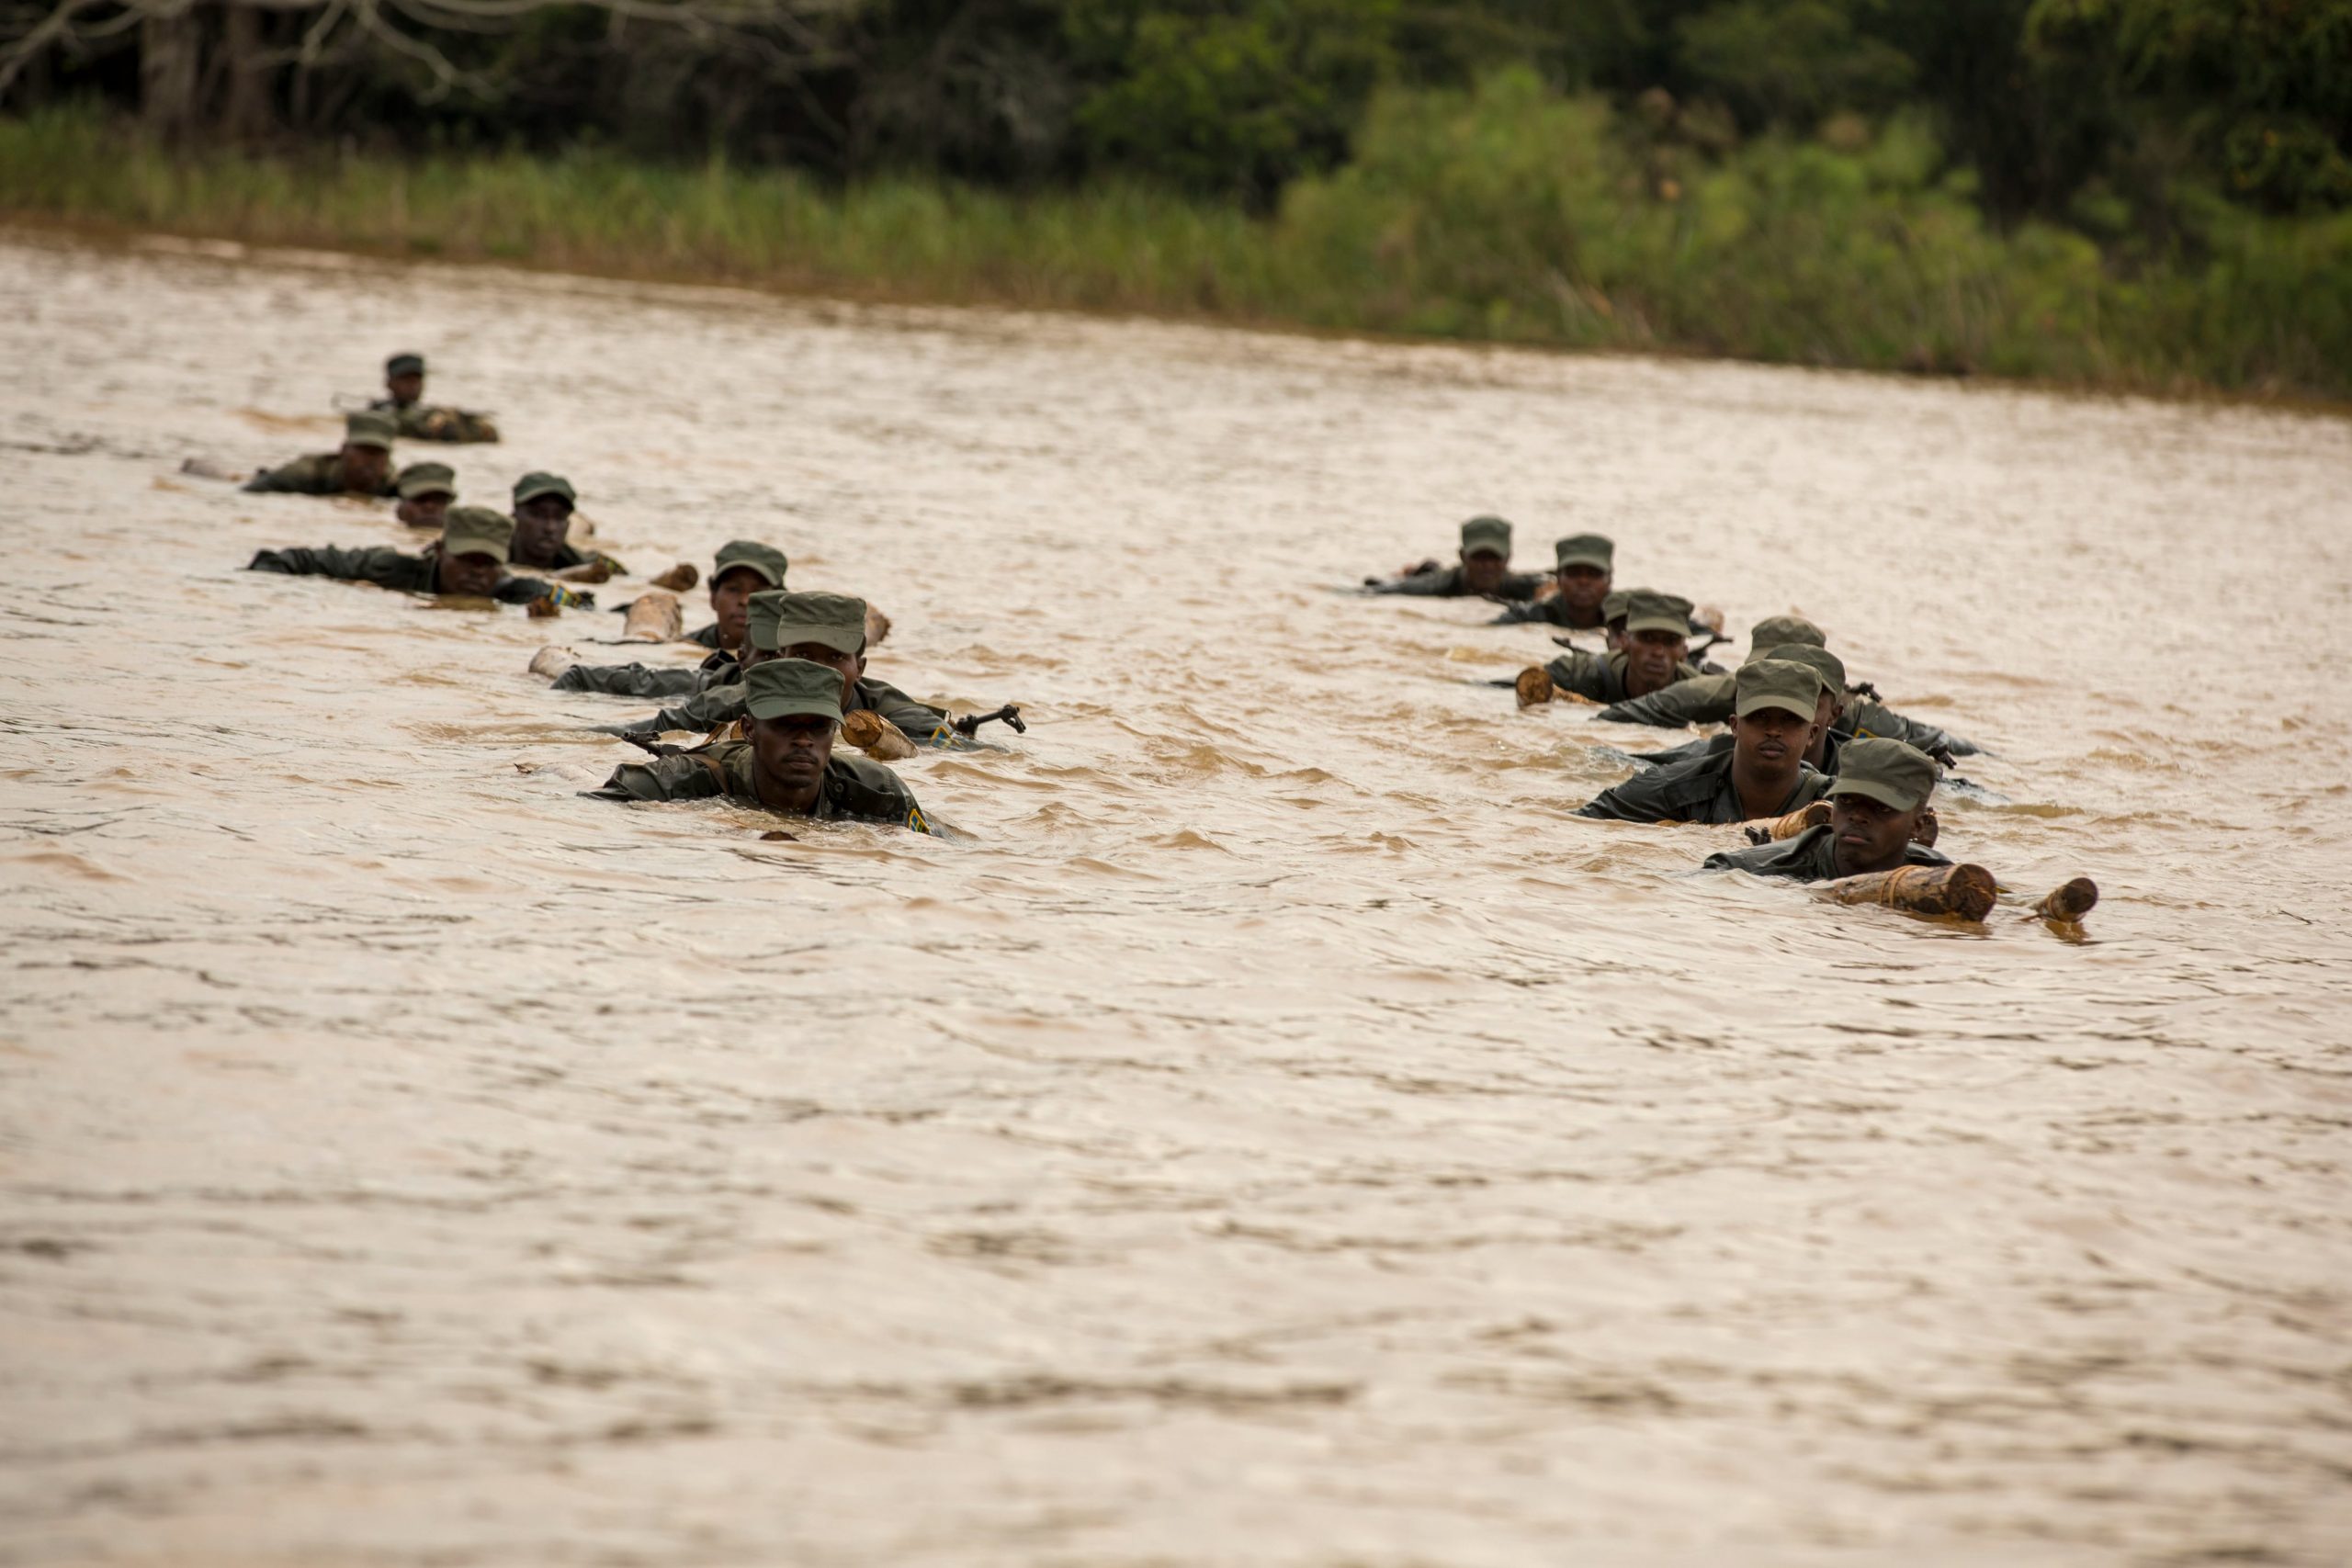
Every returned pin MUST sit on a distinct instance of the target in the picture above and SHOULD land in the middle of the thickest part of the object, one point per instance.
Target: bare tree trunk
(170, 55)
(245, 114)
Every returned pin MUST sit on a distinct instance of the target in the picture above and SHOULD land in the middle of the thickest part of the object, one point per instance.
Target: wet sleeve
(630, 681)
(1420, 585)
(1636, 800)
(1575, 671)
(326, 560)
(1519, 614)
(286, 479)
(521, 589)
(920, 722)
(1877, 721)
(665, 778)
(705, 710)
(1675, 706)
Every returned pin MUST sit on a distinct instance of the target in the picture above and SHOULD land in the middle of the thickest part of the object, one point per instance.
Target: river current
(1278, 1131)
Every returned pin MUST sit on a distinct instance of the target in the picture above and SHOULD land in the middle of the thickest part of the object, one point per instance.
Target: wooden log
(2069, 903)
(1535, 686)
(875, 736)
(679, 577)
(545, 608)
(598, 570)
(552, 661)
(1967, 891)
(1795, 822)
(878, 626)
(654, 617)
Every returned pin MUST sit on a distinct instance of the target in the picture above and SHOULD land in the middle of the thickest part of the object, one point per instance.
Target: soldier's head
(1613, 618)
(795, 709)
(1832, 671)
(1486, 554)
(543, 505)
(404, 378)
(1587, 571)
(744, 567)
(1876, 803)
(1773, 704)
(427, 490)
(366, 451)
(1784, 631)
(473, 551)
(816, 628)
(1656, 635)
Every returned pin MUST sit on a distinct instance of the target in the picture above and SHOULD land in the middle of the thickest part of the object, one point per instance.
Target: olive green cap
(777, 619)
(1586, 549)
(777, 688)
(1776, 683)
(1821, 662)
(532, 486)
(426, 479)
(477, 530)
(765, 559)
(1889, 772)
(1777, 631)
(1486, 536)
(404, 365)
(1649, 611)
(368, 428)
(1612, 605)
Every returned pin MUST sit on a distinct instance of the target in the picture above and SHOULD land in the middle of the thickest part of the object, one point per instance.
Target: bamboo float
(654, 617)
(1967, 891)
(875, 736)
(2069, 903)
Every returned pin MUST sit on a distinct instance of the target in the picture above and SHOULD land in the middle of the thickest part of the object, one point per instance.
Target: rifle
(969, 724)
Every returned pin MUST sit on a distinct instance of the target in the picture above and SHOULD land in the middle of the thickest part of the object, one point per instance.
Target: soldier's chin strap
(969, 724)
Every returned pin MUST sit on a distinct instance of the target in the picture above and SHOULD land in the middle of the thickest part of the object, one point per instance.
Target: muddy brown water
(1281, 1133)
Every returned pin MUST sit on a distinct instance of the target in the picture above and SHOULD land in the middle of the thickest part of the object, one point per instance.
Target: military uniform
(1705, 789)
(1480, 536)
(1708, 699)
(650, 680)
(1602, 676)
(855, 788)
(567, 555)
(1831, 745)
(1811, 856)
(471, 530)
(318, 475)
(725, 703)
(707, 637)
(322, 473)
(1697, 790)
(418, 422)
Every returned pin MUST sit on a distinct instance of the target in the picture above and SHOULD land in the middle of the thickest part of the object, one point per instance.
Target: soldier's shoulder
(860, 786)
(1794, 857)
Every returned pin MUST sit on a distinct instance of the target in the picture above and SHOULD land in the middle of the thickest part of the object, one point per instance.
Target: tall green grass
(1504, 214)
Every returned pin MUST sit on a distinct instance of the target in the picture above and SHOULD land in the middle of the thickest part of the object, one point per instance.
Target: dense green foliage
(2013, 186)
(1504, 213)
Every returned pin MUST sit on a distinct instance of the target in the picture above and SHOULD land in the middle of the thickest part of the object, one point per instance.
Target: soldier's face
(731, 602)
(407, 386)
(1773, 737)
(1583, 587)
(851, 665)
(427, 511)
(364, 467)
(1824, 713)
(1650, 658)
(1869, 835)
(540, 524)
(792, 752)
(1484, 573)
(474, 574)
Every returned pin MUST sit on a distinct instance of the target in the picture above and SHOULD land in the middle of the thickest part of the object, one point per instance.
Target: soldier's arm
(1575, 671)
(1419, 585)
(522, 590)
(326, 560)
(1519, 614)
(684, 777)
(918, 722)
(288, 479)
(1878, 720)
(1636, 800)
(1706, 700)
(704, 711)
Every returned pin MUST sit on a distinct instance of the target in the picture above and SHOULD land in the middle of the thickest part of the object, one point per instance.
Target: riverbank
(1506, 215)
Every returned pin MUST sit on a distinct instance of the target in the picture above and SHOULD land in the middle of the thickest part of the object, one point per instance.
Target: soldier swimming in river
(1584, 573)
(1879, 820)
(1763, 775)
(362, 467)
(426, 491)
(1484, 570)
(544, 504)
(787, 763)
(1708, 699)
(404, 402)
(469, 560)
(744, 567)
(823, 629)
(1650, 654)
